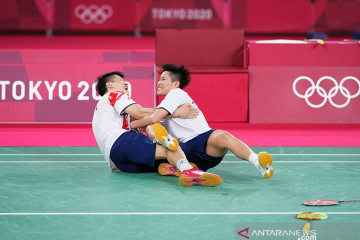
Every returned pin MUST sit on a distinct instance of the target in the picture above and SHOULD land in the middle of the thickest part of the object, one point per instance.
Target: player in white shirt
(202, 145)
(129, 151)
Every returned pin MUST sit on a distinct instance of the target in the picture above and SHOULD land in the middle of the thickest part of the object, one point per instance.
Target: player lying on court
(202, 145)
(130, 151)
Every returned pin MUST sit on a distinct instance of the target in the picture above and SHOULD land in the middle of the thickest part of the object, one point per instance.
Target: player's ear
(109, 85)
(177, 84)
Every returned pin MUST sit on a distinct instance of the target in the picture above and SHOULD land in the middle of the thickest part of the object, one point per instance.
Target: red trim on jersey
(125, 123)
(114, 96)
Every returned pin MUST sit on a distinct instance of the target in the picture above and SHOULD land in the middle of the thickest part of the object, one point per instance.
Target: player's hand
(133, 118)
(140, 130)
(186, 111)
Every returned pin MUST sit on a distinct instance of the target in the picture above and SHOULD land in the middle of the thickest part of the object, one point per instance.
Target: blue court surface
(70, 193)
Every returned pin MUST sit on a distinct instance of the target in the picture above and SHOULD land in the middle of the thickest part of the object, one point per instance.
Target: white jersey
(109, 123)
(182, 129)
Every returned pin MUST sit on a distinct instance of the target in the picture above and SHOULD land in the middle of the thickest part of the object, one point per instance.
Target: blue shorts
(195, 151)
(133, 152)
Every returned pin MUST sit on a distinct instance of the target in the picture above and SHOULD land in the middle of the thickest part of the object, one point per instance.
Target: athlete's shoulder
(103, 102)
(177, 92)
(114, 96)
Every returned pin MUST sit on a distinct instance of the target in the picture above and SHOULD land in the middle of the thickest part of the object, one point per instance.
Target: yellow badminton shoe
(164, 138)
(265, 164)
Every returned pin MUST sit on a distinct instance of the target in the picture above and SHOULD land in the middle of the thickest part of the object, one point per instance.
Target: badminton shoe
(195, 176)
(166, 169)
(164, 138)
(264, 165)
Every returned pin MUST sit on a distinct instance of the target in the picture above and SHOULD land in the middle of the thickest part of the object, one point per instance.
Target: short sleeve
(123, 102)
(173, 100)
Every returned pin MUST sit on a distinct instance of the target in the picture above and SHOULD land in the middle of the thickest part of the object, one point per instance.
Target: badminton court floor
(70, 193)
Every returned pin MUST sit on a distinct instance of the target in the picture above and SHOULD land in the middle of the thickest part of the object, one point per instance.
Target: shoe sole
(266, 175)
(164, 170)
(207, 180)
(265, 160)
(160, 133)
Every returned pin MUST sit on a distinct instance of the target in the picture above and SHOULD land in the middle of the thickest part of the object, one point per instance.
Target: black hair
(101, 87)
(178, 73)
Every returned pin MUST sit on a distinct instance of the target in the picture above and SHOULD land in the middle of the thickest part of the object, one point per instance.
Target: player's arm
(123, 104)
(135, 110)
(148, 111)
(184, 111)
(156, 117)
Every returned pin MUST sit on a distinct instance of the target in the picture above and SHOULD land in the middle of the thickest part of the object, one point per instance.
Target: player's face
(165, 85)
(117, 84)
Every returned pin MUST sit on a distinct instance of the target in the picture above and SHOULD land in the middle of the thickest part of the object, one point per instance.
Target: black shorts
(195, 151)
(133, 152)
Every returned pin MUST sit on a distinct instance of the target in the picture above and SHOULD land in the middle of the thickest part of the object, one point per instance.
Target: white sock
(183, 165)
(254, 159)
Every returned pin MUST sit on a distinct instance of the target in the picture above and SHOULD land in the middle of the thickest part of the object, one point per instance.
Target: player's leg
(165, 169)
(150, 132)
(134, 153)
(190, 175)
(220, 141)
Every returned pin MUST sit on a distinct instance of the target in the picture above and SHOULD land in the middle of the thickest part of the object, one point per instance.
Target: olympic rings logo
(326, 95)
(93, 13)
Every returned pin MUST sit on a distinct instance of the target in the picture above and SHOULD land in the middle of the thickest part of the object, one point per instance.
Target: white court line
(308, 154)
(169, 213)
(236, 162)
(309, 161)
(50, 154)
(229, 154)
(53, 161)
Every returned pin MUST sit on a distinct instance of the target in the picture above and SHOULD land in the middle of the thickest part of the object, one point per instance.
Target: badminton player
(202, 145)
(130, 151)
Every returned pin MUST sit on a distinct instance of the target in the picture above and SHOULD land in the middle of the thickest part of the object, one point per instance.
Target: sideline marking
(170, 213)
(228, 154)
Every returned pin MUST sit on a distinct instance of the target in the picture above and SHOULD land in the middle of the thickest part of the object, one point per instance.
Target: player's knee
(150, 132)
(161, 152)
(222, 138)
(226, 139)
(148, 129)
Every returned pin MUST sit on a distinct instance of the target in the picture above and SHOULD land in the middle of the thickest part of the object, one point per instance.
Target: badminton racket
(310, 216)
(315, 203)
